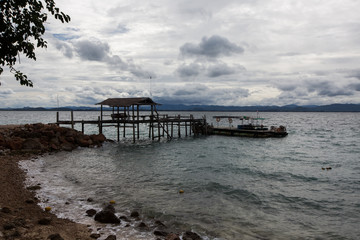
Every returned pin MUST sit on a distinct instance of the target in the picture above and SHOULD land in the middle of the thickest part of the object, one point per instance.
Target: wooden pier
(125, 116)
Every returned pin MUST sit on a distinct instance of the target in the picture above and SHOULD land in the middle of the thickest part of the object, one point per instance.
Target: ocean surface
(234, 188)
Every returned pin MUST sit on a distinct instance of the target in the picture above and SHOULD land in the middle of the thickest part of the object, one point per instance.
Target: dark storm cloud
(191, 70)
(212, 47)
(92, 50)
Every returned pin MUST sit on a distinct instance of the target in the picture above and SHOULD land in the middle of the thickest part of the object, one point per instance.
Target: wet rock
(44, 221)
(110, 208)
(55, 236)
(134, 214)
(172, 236)
(91, 212)
(160, 233)
(90, 199)
(95, 235)
(106, 216)
(111, 237)
(33, 188)
(191, 236)
(15, 143)
(142, 225)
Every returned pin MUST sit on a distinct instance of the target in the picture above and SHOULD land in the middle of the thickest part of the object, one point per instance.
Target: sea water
(234, 188)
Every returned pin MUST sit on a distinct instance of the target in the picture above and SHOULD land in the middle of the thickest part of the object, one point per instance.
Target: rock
(30, 201)
(106, 216)
(32, 144)
(160, 233)
(6, 210)
(66, 146)
(8, 226)
(44, 221)
(98, 139)
(191, 236)
(110, 208)
(15, 143)
(111, 237)
(95, 235)
(142, 225)
(91, 212)
(33, 188)
(90, 199)
(55, 236)
(134, 214)
(172, 236)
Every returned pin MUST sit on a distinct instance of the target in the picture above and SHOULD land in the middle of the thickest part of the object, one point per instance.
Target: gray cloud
(191, 70)
(212, 47)
(65, 48)
(219, 70)
(201, 94)
(92, 50)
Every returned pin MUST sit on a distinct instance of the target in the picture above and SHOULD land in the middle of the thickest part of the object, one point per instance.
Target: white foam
(70, 201)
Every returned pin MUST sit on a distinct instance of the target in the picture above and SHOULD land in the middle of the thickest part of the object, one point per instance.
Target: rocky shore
(20, 215)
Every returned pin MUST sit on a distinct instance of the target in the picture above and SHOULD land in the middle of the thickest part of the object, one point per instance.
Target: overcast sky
(241, 52)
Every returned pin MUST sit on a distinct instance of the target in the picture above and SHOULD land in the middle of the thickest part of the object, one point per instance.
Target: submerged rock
(134, 214)
(95, 235)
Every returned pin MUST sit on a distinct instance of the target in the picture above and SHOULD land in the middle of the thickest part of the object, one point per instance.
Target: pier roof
(127, 102)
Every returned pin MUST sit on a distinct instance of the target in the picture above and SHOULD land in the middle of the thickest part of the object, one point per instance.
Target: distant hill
(181, 107)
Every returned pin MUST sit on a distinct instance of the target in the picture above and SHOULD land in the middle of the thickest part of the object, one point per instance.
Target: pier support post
(100, 125)
(57, 118)
(82, 126)
(72, 119)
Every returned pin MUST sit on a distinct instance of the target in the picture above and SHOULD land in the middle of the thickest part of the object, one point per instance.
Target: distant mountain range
(180, 107)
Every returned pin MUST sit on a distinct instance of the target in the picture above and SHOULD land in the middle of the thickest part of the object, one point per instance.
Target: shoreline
(22, 217)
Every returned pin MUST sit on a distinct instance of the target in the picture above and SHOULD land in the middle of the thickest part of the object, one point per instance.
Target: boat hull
(246, 133)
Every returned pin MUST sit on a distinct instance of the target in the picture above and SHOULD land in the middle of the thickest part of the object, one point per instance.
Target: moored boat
(253, 127)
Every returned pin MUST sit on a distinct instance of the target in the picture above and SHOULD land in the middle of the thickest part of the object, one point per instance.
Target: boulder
(98, 139)
(172, 236)
(134, 214)
(95, 235)
(111, 237)
(91, 212)
(106, 216)
(32, 144)
(15, 143)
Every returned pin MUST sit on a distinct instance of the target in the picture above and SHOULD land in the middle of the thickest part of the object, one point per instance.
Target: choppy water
(235, 188)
